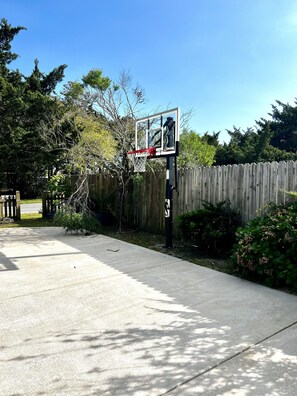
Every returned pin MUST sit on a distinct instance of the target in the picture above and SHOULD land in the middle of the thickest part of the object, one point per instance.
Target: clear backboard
(159, 131)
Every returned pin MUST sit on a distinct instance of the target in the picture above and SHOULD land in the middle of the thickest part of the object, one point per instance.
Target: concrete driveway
(97, 316)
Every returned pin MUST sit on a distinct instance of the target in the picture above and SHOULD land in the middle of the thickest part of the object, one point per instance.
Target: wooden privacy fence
(249, 188)
(10, 206)
(145, 203)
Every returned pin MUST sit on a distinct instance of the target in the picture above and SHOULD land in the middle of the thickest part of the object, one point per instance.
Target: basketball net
(139, 158)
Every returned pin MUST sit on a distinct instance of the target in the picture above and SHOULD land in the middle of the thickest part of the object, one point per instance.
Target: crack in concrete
(229, 358)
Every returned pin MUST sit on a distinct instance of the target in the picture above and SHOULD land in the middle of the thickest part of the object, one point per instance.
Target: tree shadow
(262, 370)
(153, 362)
(143, 323)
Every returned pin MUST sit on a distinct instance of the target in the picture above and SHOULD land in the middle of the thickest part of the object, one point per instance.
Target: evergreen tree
(283, 126)
(274, 140)
(25, 104)
(7, 34)
(213, 139)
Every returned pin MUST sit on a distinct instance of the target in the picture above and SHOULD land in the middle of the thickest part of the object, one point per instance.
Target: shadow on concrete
(198, 324)
(6, 264)
(247, 376)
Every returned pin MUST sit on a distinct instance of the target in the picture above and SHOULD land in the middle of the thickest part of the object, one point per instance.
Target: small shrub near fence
(211, 229)
(77, 222)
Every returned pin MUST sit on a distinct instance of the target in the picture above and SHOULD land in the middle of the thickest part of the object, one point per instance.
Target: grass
(30, 201)
(29, 220)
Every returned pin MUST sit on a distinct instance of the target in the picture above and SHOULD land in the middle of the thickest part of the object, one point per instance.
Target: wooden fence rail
(249, 188)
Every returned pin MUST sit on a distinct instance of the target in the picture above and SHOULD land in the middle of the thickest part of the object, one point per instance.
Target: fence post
(17, 205)
(1, 208)
(44, 208)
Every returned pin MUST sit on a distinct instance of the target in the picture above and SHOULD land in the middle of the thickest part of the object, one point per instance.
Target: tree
(95, 147)
(240, 149)
(92, 153)
(7, 34)
(194, 151)
(114, 107)
(265, 144)
(270, 140)
(25, 104)
(212, 140)
(283, 126)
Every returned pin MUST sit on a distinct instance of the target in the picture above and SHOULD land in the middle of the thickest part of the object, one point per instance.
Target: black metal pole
(168, 202)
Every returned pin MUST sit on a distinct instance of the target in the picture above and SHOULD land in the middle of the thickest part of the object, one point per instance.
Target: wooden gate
(51, 203)
(10, 206)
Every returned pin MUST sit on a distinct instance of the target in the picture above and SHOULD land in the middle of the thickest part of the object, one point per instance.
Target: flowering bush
(266, 248)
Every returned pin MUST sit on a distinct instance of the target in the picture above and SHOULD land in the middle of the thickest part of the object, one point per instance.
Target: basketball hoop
(139, 157)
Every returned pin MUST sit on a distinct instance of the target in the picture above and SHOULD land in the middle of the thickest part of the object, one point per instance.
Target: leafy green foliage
(76, 222)
(95, 147)
(114, 105)
(270, 140)
(194, 151)
(95, 80)
(212, 228)
(27, 103)
(251, 146)
(59, 184)
(284, 126)
(266, 248)
(7, 34)
(73, 92)
(212, 140)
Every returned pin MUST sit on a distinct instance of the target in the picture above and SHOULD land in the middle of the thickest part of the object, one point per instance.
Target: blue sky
(229, 60)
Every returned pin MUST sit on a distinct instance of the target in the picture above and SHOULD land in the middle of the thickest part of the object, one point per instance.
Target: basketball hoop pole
(168, 202)
(155, 138)
(169, 186)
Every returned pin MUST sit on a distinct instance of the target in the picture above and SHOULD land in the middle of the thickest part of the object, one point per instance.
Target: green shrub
(76, 222)
(266, 248)
(212, 228)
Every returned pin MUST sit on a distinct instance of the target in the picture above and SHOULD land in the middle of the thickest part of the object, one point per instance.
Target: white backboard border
(152, 131)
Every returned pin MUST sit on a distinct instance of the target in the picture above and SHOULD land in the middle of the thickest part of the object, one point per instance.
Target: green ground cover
(29, 220)
(30, 201)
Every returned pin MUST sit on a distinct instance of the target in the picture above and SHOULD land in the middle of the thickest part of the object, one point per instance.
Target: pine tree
(25, 103)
